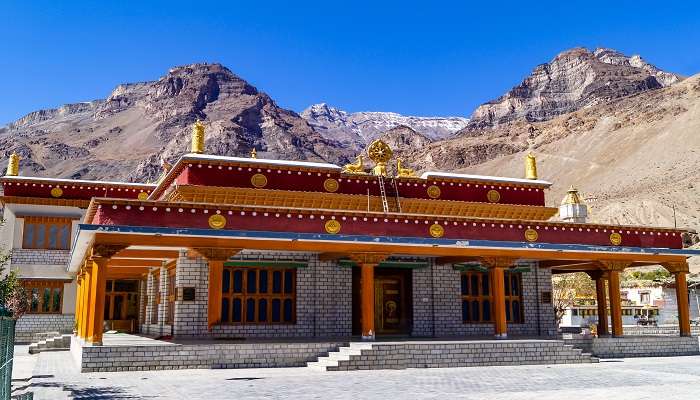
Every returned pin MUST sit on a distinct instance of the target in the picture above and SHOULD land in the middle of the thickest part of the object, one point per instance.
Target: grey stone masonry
(177, 356)
(323, 300)
(39, 257)
(422, 288)
(30, 324)
(538, 317)
(143, 300)
(163, 326)
(151, 305)
(461, 354)
(638, 346)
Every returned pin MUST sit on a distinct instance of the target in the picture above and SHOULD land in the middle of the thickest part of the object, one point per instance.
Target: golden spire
(253, 153)
(13, 165)
(198, 137)
(530, 166)
(572, 196)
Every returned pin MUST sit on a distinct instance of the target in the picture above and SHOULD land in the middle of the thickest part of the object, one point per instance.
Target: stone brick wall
(637, 346)
(29, 324)
(175, 356)
(40, 257)
(422, 288)
(323, 307)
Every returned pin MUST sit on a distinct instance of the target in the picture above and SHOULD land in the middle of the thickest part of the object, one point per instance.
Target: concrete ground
(54, 376)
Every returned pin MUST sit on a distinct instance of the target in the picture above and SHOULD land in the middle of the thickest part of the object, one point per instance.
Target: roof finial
(530, 166)
(253, 153)
(198, 137)
(13, 165)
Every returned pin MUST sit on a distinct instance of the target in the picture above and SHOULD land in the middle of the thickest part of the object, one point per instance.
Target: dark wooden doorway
(393, 311)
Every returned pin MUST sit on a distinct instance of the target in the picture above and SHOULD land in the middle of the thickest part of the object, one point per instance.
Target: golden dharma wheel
(379, 152)
(331, 185)
(531, 235)
(433, 192)
(258, 180)
(332, 226)
(217, 221)
(57, 192)
(493, 196)
(436, 230)
(615, 238)
(143, 196)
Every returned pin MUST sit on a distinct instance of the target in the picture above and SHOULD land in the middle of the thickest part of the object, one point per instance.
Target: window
(258, 296)
(645, 298)
(45, 296)
(477, 299)
(46, 233)
(121, 300)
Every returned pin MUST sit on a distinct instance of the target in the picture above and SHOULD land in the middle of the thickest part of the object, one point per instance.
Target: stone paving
(56, 377)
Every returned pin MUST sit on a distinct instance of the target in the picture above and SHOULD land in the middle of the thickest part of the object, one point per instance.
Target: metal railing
(7, 349)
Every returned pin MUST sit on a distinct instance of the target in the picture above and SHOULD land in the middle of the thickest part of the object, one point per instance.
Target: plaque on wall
(546, 297)
(188, 294)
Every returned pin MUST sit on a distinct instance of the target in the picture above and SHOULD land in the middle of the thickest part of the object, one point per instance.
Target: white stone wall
(29, 324)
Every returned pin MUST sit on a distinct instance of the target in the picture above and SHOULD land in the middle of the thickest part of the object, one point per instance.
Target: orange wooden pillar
(78, 302)
(98, 287)
(679, 271)
(367, 301)
(602, 305)
(215, 258)
(84, 313)
(497, 266)
(682, 301)
(499, 300)
(615, 302)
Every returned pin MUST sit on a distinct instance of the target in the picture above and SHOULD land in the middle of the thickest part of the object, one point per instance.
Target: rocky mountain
(357, 129)
(125, 135)
(573, 80)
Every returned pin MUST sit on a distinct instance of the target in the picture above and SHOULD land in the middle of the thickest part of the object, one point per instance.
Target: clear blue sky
(430, 58)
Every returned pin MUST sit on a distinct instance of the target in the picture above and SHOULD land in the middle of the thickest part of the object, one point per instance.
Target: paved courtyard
(56, 377)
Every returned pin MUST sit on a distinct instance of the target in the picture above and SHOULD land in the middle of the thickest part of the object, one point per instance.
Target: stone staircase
(49, 341)
(449, 354)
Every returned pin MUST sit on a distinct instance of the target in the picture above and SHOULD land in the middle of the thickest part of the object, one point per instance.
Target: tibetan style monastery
(229, 247)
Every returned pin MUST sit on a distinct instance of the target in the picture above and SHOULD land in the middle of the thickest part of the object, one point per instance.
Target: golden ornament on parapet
(143, 196)
(531, 235)
(57, 192)
(331, 185)
(493, 196)
(258, 180)
(615, 238)
(332, 226)
(436, 230)
(217, 221)
(433, 192)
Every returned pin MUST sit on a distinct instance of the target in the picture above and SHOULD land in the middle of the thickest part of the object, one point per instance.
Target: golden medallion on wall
(615, 238)
(331, 185)
(217, 221)
(493, 196)
(436, 230)
(258, 180)
(332, 226)
(433, 192)
(531, 235)
(143, 196)
(57, 192)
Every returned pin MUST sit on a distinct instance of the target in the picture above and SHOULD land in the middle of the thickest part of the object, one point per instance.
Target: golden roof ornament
(198, 137)
(253, 153)
(13, 165)
(355, 168)
(572, 197)
(404, 172)
(530, 166)
(380, 153)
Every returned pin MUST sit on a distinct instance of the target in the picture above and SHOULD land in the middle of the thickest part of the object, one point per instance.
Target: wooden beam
(332, 256)
(132, 262)
(122, 272)
(148, 254)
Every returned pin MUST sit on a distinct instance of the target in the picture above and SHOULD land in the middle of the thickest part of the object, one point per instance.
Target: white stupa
(572, 208)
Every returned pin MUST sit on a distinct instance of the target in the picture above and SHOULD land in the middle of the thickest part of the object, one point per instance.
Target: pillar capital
(498, 262)
(215, 253)
(368, 258)
(106, 251)
(612, 265)
(676, 267)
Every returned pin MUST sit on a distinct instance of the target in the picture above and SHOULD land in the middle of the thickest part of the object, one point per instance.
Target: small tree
(566, 288)
(13, 297)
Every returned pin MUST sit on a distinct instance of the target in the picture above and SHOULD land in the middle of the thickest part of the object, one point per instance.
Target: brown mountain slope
(635, 159)
(123, 136)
